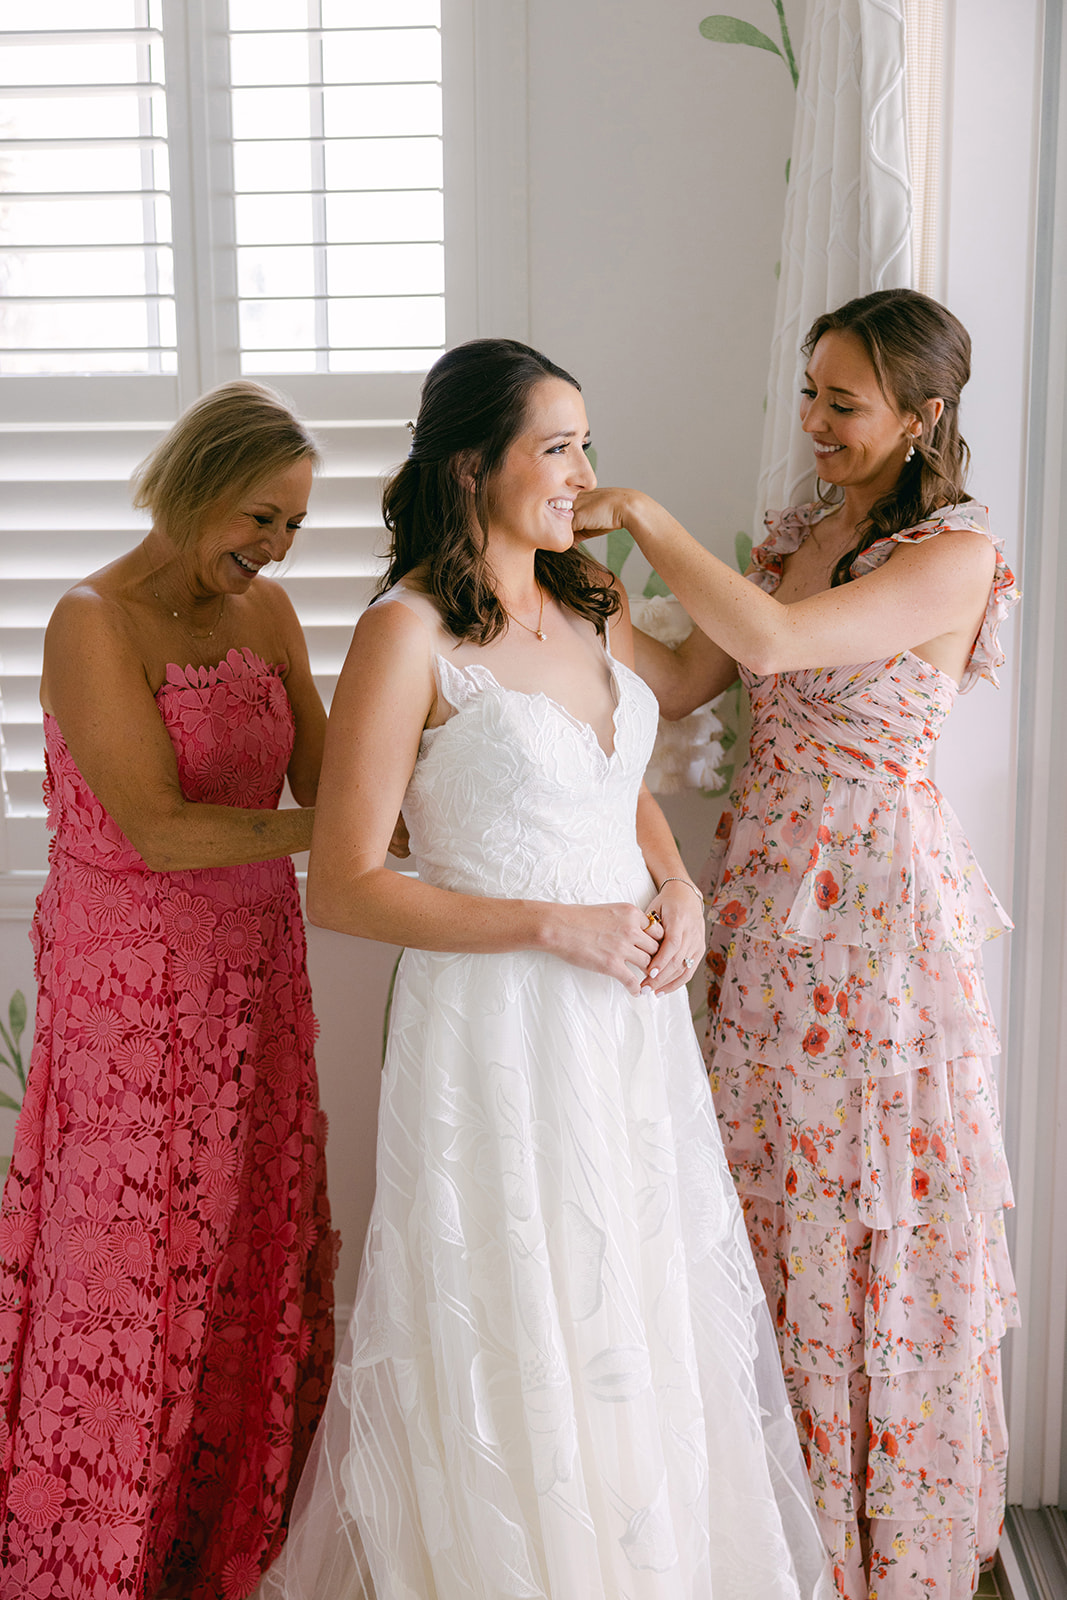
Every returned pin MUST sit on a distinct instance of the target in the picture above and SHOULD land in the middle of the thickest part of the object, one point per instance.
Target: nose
(280, 541)
(584, 476)
(814, 417)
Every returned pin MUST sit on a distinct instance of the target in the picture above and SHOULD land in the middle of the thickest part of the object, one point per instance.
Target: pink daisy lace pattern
(166, 1257)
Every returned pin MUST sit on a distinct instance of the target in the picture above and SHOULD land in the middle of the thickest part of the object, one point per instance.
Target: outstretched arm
(933, 591)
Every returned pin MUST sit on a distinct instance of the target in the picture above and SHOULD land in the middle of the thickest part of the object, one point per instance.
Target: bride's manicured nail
(653, 972)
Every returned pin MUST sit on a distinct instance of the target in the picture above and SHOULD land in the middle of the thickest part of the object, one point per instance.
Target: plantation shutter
(189, 193)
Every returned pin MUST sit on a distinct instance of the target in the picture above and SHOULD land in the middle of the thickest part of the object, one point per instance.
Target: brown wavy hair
(920, 352)
(475, 401)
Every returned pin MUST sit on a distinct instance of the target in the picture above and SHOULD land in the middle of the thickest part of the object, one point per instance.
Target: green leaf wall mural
(732, 30)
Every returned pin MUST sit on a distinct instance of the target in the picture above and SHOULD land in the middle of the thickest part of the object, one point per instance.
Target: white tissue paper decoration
(687, 753)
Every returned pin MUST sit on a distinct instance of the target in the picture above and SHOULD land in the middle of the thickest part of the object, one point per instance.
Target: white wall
(995, 85)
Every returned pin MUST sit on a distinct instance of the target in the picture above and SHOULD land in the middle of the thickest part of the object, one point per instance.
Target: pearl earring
(911, 448)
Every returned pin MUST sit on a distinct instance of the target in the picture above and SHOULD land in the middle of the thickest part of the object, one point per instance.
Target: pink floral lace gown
(166, 1321)
(849, 1045)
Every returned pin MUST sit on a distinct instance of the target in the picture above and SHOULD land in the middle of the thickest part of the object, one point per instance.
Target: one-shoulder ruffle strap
(787, 529)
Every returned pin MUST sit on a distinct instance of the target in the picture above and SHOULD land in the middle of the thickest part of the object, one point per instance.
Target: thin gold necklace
(197, 638)
(537, 632)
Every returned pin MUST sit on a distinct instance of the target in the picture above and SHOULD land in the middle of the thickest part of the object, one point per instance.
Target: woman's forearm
(737, 617)
(197, 835)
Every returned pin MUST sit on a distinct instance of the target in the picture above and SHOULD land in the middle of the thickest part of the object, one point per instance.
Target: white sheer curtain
(847, 225)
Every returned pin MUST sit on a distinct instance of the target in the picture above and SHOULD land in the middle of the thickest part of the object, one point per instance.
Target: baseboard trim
(1032, 1560)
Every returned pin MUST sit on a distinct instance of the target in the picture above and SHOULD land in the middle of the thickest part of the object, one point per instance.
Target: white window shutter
(286, 282)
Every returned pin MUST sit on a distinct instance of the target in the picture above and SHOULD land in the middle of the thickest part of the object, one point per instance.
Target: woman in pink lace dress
(165, 1286)
(849, 1035)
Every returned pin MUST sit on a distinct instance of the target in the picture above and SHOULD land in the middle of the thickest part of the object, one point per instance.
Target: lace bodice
(512, 795)
(232, 730)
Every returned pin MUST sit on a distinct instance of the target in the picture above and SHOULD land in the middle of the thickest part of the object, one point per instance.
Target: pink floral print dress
(849, 1045)
(166, 1308)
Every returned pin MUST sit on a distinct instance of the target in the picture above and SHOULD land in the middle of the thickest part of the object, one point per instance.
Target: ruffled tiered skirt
(849, 1045)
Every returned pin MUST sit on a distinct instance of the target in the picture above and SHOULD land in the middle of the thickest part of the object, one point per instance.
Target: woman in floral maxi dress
(166, 1260)
(849, 1035)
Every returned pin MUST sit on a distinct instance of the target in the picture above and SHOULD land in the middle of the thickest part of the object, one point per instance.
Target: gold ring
(652, 919)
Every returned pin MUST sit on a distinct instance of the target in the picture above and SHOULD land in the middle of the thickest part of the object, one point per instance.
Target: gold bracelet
(688, 883)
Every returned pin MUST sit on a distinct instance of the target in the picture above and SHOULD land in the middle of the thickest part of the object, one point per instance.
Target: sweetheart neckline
(540, 694)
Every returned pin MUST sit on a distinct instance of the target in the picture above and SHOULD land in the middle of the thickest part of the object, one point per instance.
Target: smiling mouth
(564, 506)
(244, 563)
(827, 449)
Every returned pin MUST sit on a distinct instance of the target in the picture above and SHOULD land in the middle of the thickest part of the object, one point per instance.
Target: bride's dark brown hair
(920, 352)
(475, 402)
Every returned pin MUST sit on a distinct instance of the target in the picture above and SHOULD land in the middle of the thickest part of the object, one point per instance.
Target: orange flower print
(733, 914)
(807, 1148)
(797, 829)
(815, 1040)
(822, 1440)
(920, 1185)
(791, 1181)
(889, 1443)
(827, 890)
(726, 823)
(895, 768)
(823, 998)
(842, 1003)
(937, 1145)
(919, 1142)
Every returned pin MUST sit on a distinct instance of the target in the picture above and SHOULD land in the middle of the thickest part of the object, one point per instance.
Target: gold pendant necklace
(197, 638)
(537, 632)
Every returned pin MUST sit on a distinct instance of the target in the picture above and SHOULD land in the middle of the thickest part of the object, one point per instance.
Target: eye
(809, 394)
(294, 527)
(264, 521)
(842, 411)
(555, 449)
(587, 446)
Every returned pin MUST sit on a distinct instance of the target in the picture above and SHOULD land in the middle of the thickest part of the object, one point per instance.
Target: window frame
(486, 266)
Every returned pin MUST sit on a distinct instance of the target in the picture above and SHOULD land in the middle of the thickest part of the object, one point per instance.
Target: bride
(560, 1379)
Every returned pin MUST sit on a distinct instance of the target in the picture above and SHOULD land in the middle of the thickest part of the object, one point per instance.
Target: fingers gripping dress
(166, 1282)
(850, 1046)
(553, 1380)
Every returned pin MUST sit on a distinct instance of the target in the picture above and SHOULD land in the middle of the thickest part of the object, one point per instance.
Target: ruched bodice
(836, 834)
(875, 722)
(512, 796)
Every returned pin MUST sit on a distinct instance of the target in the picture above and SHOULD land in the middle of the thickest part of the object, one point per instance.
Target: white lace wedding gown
(560, 1379)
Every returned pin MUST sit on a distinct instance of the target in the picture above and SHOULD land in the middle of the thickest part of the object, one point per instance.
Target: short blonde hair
(225, 444)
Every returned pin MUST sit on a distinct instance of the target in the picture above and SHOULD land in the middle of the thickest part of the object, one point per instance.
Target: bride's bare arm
(679, 903)
(383, 699)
